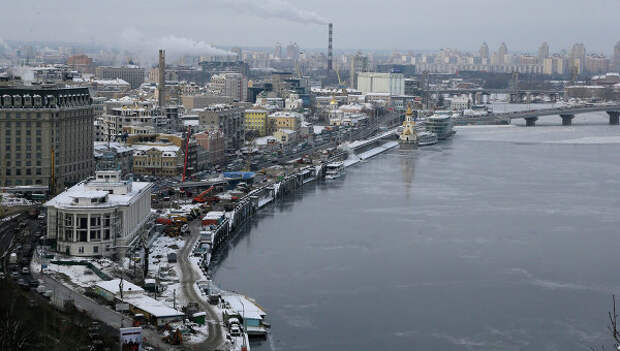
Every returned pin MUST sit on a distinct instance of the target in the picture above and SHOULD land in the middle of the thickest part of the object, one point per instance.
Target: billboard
(131, 339)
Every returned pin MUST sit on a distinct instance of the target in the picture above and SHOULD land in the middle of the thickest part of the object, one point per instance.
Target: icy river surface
(503, 238)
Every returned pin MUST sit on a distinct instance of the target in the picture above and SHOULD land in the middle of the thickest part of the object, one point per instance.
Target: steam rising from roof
(145, 49)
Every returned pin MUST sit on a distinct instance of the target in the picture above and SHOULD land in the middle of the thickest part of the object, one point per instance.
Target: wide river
(503, 238)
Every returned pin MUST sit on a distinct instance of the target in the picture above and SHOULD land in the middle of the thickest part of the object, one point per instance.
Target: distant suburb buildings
(100, 216)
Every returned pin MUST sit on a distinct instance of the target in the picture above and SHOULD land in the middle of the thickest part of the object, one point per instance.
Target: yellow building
(257, 120)
(158, 160)
(285, 120)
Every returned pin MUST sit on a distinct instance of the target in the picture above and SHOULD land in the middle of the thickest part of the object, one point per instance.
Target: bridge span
(567, 113)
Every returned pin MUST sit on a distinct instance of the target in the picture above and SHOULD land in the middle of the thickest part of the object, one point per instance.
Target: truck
(13, 258)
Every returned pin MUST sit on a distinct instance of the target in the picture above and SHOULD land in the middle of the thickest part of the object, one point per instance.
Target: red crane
(202, 197)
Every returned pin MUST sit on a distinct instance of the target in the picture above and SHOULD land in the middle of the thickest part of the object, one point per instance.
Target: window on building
(95, 249)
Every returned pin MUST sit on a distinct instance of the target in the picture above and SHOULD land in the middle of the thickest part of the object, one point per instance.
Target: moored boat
(334, 170)
(427, 138)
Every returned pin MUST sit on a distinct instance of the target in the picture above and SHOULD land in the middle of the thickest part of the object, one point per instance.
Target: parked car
(235, 330)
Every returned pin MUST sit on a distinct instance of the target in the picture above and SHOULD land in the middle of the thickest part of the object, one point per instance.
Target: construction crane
(204, 196)
(341, 85)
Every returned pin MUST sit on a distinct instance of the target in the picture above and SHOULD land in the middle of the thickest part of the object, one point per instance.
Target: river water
(503, 238)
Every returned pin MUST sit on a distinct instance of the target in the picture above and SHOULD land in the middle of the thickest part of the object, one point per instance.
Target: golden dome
(409, 110)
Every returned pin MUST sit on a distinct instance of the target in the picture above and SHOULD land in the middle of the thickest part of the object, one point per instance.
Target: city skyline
(406, 26)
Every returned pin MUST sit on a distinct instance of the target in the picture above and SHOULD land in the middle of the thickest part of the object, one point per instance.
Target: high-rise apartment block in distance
(616, 59)
(501, 54)
(577, 58)
(543, 52)
(161, 85)
(132, 74)
(484, 51)
(597, 64)
(554, 65)
(46, 136)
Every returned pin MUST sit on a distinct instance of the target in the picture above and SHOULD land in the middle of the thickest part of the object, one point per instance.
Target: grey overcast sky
(361, 24)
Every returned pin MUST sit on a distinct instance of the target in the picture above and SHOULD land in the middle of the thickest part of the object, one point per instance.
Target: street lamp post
(243, 321)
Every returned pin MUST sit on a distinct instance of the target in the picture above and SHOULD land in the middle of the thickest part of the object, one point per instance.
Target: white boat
(334, 170)
(427, 138)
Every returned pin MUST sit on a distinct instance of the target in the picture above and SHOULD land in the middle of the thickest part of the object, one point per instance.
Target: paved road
(215, 341)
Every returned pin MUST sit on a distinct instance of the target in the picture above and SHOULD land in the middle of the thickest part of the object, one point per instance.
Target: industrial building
(373, 82)
(133, 75)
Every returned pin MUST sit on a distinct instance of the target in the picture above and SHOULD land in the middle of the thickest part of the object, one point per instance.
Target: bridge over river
(567, 113)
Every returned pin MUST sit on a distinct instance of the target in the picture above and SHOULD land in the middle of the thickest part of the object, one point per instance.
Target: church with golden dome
(409, 136)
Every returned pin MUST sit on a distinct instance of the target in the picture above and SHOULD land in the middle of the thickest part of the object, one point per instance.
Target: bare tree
(13, 335)
(613, 323)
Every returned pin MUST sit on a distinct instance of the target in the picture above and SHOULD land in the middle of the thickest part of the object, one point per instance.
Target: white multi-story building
(99, 217)
(231, 84)
(459, 103)
(373, 82)
(121, 115)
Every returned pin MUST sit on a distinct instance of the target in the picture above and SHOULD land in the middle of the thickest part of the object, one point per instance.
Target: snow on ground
(9, 200)
(264, 201)
(377, 150)
(202, 333)
(6, 219)
(79, 275)
(169, 274)
(351, 160)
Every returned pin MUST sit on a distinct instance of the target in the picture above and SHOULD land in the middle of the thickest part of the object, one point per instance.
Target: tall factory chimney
(329, 49)
(162, 79)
